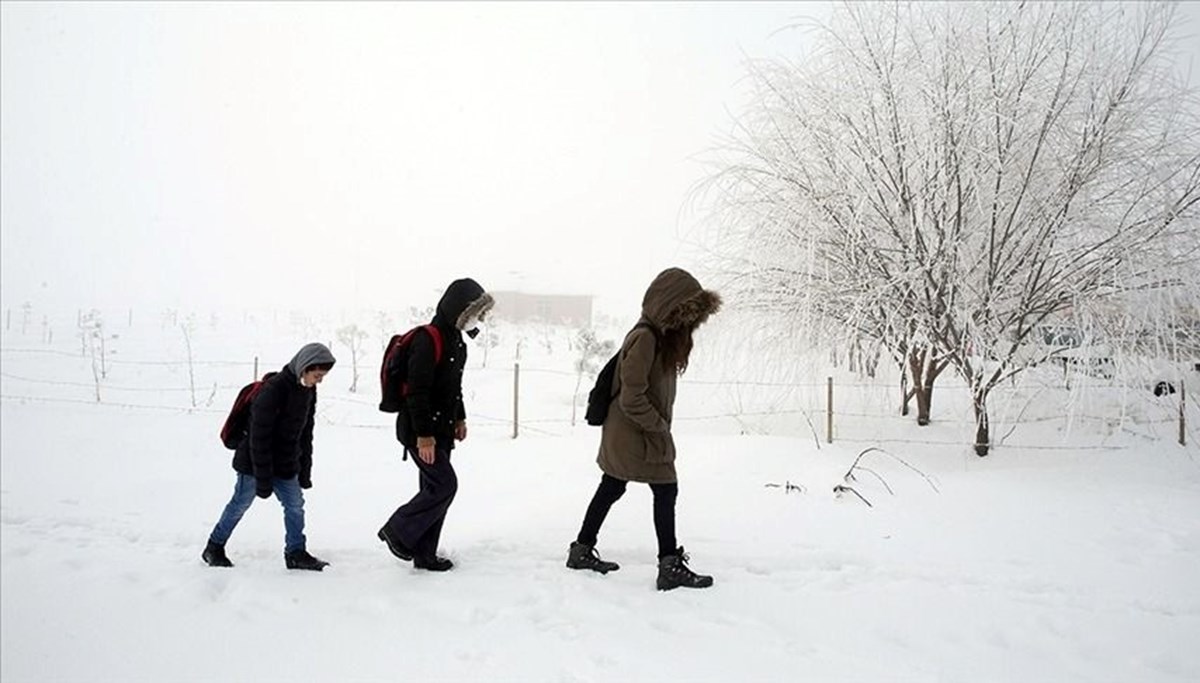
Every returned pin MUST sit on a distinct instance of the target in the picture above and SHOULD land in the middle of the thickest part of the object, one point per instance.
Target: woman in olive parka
(635, 442)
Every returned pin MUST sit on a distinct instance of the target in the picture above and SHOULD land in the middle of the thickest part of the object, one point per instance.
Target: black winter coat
(434, 400)
(279, 443)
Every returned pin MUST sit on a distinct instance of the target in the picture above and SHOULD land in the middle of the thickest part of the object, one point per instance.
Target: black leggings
(610, 490)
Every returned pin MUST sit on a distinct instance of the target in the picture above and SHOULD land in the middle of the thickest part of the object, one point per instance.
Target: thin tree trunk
(924, 404)
(922, 383)
(924, 366)
(982, 428)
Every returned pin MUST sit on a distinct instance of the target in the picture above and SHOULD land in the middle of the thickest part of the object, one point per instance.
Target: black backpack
(601, 396)
(393, 371)
(233, 432)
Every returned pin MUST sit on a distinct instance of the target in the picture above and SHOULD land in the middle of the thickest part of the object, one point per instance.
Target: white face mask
(471, 323)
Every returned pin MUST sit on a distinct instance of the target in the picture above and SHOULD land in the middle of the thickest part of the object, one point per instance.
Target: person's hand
(263, 487)
(460, 430)
(426, 448)
(305, 482)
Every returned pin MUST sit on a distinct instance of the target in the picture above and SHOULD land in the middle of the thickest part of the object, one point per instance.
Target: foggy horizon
(347, 156)
(332, 156)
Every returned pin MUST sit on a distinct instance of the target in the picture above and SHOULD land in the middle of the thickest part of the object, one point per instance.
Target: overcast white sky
(228, 154)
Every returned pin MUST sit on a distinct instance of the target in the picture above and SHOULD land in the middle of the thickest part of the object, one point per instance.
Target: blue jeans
(290, 496)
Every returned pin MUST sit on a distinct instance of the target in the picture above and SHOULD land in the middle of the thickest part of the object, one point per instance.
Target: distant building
(558, 309)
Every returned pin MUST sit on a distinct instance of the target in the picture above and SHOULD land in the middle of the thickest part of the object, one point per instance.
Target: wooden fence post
(516, 398)
(829, 411)
(1182, 419)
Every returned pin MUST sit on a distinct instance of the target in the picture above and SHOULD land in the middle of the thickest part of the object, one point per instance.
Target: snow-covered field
(1072, 563)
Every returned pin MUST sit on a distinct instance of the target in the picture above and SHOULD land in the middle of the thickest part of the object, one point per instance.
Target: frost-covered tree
(353, 337)
(419, 315)
(385, 327)
(188, 328)
(591, 353)
(91, 335)
(487, 340)
(947, 177)
(26, 316)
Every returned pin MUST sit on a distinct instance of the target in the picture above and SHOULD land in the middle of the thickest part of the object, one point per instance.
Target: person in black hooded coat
(431, 419)
(275, 456)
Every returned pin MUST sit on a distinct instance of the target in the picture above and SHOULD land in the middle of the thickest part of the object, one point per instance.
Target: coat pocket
(660, 447)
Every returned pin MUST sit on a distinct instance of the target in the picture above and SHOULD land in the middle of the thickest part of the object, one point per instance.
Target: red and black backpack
(393, 371)
(238, 423)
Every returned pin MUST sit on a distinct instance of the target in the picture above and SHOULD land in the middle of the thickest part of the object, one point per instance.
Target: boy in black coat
(430, 421)
(276, 456)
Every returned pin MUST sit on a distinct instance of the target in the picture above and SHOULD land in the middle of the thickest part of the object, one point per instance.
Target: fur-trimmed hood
(476, 310)
(464, 299)
(676, 301)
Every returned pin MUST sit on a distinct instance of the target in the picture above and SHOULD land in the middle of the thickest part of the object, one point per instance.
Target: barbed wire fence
(543, 401)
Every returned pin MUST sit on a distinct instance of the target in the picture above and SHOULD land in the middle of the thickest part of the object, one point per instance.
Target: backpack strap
(436, 334)
(648, 326)
(258, 386)
(616, 359)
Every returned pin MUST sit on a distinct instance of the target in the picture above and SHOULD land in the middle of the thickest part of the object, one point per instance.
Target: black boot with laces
(300, 559)
(394, 545)
(582, 556)
(432, 563)
(673, 572)
(214, 555)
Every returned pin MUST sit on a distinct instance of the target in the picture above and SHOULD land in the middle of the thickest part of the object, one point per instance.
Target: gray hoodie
(309, 355)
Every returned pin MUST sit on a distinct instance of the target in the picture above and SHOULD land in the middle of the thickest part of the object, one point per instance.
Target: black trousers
(418, 523)
(610, 490)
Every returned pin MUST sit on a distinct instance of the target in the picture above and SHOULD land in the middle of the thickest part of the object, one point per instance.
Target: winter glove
(305, 482)
(263, 488)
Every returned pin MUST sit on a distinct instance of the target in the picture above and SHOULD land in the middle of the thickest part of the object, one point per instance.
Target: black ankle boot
(394, 545)
(432, 563)
(673, 572)
(300, 559)
(581, 556)
(214, 555)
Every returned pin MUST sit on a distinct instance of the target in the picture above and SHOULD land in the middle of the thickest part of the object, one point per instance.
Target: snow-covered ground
(1072, 563)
